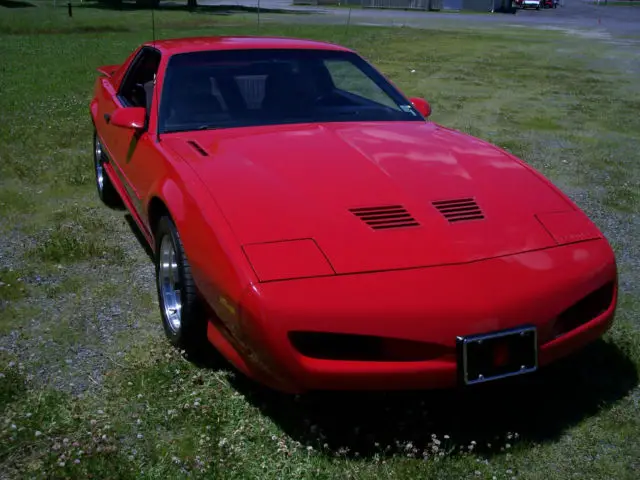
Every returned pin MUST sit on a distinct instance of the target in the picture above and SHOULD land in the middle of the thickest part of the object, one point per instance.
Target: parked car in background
(537, 4)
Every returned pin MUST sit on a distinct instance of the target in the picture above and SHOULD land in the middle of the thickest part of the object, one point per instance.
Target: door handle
(107, 117)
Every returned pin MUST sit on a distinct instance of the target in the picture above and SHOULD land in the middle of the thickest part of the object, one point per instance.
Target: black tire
(191, 334)
(106, 190)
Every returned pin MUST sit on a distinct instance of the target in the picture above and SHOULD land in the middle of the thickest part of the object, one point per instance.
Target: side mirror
(422, 106)
(129, 117)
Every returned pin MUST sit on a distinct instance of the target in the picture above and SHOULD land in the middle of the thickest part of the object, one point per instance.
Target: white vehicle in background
(537, 4)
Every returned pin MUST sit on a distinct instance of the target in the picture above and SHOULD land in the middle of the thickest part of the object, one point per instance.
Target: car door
(132, 151)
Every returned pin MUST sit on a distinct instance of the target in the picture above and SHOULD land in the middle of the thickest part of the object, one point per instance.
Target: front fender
(171, 195)
(218, 266)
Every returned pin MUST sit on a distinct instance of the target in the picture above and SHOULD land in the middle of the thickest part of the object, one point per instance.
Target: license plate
(496, 355)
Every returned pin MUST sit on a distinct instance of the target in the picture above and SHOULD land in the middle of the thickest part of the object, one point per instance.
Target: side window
(351, 79)
(137, 88)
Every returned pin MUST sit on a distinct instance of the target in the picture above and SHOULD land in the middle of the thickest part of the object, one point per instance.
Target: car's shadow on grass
(538, 407)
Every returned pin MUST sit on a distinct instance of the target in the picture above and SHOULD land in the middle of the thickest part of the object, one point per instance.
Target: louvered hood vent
(459, 210)
(383, 217)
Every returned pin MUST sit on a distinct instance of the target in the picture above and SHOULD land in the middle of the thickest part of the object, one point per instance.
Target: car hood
(452, 198)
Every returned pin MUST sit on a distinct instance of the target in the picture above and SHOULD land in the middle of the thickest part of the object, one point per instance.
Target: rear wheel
(106, 190)
(183, 322)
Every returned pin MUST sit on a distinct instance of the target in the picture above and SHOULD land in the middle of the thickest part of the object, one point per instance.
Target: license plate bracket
(496, 355)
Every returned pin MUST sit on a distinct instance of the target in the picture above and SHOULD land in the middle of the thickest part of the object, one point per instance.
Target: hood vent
(459, 210)
(196, 146)
(388, 216)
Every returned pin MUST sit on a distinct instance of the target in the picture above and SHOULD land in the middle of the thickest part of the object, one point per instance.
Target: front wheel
(183, 323)
(106, 190)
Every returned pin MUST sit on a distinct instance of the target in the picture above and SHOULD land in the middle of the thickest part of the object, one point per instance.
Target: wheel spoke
(98, 163)
(169, 281)
(175, 277)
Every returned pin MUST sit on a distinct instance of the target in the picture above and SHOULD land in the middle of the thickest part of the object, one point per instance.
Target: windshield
(235, 88)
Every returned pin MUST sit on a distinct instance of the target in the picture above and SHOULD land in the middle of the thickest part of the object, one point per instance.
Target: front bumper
(431, 305)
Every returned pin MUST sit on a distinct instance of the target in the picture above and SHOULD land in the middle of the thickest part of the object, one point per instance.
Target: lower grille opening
(590, 307)
(340, 346)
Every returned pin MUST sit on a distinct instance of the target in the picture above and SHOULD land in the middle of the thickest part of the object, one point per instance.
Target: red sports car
(310, 222)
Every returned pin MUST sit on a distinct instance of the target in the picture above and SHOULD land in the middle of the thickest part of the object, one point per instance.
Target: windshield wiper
(354, 113)
(190, 129)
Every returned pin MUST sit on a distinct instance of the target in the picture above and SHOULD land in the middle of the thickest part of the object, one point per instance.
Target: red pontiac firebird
(310, 222)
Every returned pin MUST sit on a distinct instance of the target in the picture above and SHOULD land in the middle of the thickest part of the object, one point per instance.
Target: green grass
(88, 385)
(11, 286)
